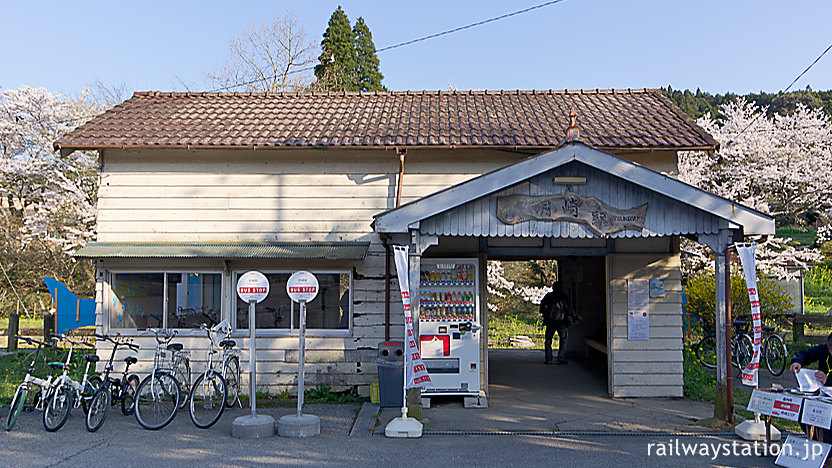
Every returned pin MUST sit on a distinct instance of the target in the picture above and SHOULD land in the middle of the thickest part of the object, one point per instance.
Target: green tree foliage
(338, 57)
(348, 60)
(367, 73)
(700, 103)
(774, 300)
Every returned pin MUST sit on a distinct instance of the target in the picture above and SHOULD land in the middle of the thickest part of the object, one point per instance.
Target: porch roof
(287, 250)
(675, 208)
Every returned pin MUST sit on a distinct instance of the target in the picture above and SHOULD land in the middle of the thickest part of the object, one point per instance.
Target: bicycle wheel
(157, 399)
(231, 374)
(58, 403)
(93, 385)
(706, 352)
(128, 395)
(775, 354)
(182, 372)
(208, 397)
(17, 406)
(99, 404)
(744, 351)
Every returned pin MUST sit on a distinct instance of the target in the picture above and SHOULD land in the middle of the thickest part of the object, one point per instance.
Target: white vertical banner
(746, 253)
(415, 371)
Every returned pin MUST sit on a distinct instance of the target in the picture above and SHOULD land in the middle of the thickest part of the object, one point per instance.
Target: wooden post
(723, 359)
(728, 330)
(14, 326)
(48, 327)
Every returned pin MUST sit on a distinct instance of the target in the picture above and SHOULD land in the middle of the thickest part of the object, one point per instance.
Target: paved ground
(526, 395)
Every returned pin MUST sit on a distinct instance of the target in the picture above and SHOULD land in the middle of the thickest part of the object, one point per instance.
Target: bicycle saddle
(93, 358)
(175, 347)
(768, 329)
(131, 360)
(228, 344)
(56, 365)
(739, 323)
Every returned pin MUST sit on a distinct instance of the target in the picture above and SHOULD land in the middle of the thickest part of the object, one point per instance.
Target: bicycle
(65, 393)
(210, 391)
(742, 347)
(159, 394)
(30, 382)
(231, 368)
(774, 351)
(113, 390)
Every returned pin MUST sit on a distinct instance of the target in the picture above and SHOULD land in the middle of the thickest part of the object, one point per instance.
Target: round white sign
(302, 286)
(252, 286)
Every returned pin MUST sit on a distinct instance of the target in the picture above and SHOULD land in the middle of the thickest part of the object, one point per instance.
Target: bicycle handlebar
(163, 335)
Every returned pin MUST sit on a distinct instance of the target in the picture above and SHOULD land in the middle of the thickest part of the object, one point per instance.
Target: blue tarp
(72, 311)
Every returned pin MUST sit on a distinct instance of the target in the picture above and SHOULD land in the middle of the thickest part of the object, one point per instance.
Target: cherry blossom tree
(777, 165)
(51, 195)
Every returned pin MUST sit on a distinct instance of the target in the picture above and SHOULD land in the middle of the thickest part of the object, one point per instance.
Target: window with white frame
(165, 300)
(330, 310)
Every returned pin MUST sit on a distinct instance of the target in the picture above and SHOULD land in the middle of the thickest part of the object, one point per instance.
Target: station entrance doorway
(515, 364)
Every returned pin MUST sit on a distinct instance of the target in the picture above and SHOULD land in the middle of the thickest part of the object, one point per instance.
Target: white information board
(798, 452)
(817, 413)
(787, 407)
(761, 402)
(638, 309)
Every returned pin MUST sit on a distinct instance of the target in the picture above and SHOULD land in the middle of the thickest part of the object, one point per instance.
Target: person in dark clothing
(822, 354)
(557, 316)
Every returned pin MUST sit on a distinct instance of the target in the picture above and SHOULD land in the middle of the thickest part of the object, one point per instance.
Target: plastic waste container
(390, 374)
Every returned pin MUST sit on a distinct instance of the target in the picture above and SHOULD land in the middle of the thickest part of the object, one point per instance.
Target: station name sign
(600, 218)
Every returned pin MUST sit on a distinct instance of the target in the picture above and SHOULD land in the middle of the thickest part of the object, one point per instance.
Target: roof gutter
(66, 149)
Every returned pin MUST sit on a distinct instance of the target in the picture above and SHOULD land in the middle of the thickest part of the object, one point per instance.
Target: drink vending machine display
(449, 325)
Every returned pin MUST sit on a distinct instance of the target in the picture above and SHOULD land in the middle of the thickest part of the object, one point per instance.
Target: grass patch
(503, 325)
(13, 368)
(22, 323)
(803, 237)
(320, 394)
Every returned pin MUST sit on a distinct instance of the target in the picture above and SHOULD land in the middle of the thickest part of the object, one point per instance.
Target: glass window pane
(194, 299)
(329, 310)
(137, 300)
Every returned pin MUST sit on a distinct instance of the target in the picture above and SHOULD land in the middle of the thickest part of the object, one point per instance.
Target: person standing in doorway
(557, 316)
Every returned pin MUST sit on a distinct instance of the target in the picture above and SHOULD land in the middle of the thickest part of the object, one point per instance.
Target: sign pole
(301, 287)
(301, 355)
(252, 359)
(252, 288)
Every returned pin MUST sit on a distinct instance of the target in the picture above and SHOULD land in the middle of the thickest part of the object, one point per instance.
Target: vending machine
(449, 325)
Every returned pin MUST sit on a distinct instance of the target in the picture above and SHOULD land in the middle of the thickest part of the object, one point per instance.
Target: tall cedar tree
(368, 75)
(338, 58)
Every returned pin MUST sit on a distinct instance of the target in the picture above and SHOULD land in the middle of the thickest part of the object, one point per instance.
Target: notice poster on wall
(638, 309)
(657, 289)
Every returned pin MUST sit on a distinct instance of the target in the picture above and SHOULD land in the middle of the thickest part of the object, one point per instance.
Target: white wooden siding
(179, 196)
(653, 367)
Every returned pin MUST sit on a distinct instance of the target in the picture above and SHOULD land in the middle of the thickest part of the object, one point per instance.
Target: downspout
(387, 249)
(401, 152)
(386, 287)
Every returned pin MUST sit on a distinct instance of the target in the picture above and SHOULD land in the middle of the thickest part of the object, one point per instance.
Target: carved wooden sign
(596, 215)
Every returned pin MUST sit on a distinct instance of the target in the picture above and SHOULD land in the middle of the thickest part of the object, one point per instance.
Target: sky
(739, 46)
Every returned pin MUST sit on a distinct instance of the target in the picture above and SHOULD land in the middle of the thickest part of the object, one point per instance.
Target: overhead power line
(731, 141)
(412, 41)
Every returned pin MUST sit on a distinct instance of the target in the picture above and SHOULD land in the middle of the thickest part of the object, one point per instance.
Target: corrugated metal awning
(288, 250)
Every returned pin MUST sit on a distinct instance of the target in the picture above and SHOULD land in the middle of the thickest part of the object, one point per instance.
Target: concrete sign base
(253, 427)
(305, 425)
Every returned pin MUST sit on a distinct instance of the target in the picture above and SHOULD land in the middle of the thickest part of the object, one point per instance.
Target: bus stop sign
(302, 286)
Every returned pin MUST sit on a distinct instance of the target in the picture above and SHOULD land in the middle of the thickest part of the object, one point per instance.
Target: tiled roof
(607, 119)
